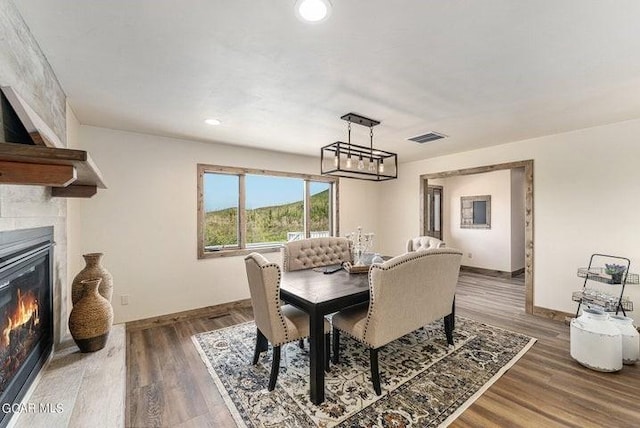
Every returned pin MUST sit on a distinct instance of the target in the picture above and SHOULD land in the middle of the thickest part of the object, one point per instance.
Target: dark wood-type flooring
(168, 384)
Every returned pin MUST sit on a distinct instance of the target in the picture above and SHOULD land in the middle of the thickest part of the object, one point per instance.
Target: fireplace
(26, 311)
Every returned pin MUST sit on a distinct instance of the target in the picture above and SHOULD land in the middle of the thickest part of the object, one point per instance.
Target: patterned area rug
(424, 382)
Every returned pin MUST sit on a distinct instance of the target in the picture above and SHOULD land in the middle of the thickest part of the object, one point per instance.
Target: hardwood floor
(168, 384)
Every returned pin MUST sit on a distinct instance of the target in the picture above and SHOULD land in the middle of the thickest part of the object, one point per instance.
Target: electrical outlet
(470, 255)
(124, 299)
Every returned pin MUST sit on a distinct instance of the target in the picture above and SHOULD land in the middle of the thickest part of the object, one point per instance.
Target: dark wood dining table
(319, 294)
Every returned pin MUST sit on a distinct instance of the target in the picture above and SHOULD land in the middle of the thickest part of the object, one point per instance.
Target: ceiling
(482, 72)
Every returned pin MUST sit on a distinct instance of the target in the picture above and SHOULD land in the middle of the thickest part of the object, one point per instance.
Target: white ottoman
(595, 342)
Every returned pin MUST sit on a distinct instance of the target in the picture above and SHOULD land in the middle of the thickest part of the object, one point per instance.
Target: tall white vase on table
(596, 342)
(630, 338)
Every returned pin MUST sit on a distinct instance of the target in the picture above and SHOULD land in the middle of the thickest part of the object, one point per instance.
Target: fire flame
(25, 309)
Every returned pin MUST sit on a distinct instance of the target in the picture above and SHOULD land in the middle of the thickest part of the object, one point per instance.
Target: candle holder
(360, 244)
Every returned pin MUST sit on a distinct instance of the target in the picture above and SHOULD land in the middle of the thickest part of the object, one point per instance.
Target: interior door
(434, 211)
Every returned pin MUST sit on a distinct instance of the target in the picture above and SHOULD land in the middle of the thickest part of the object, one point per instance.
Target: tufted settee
(407, 292)
(315, 252)
(423, 243)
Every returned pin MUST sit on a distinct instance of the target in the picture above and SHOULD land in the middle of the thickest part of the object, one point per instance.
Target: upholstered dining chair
(275, 323)
(423, 243)
(315, 252)
(406, 293)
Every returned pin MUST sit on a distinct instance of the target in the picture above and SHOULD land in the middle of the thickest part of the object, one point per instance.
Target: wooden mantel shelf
(69, 172)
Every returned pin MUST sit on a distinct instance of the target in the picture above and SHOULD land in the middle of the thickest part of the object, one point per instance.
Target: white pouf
(596, 342)
(630, 338)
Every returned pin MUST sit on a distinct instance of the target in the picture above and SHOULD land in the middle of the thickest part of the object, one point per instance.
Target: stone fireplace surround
(79, 381)
(90, 388)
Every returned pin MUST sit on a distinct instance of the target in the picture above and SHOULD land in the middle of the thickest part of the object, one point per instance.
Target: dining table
(319, 292)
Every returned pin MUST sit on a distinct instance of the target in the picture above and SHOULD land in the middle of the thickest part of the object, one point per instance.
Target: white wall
(585, 190)
(517, 219)
(482, 248)
(145, 222)
(501, 247)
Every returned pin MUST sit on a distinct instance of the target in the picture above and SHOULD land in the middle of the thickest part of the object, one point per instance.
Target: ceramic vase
(91, 318)
(596, 342)
(93, 269)
(630, 338)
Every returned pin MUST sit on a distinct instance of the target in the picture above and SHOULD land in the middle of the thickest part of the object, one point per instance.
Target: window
(274, 208)
(320, 208)
(243, 210)
(221, 211)
(475, 212)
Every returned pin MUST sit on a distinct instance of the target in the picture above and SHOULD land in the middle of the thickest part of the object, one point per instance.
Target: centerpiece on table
(361, 244)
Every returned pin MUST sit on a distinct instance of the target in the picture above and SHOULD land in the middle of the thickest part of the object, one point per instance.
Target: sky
(221, 191)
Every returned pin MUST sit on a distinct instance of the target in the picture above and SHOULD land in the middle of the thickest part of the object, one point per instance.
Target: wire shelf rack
(598, 274)
(604, 301)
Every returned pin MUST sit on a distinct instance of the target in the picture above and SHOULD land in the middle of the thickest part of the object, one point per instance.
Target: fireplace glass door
(25, 319)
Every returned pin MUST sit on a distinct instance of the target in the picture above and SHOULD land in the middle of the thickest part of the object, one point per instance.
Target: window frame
(467, 212)
(241, 249)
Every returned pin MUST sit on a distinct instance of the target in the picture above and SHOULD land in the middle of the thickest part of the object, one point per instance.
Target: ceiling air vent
(425, 138)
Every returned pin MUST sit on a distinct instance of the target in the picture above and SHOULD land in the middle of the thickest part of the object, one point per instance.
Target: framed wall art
(475, 212)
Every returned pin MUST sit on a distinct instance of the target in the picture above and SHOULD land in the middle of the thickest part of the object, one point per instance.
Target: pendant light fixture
(349, 165)
(373, 164)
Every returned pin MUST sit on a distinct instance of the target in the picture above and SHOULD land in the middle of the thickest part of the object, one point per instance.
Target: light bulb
(348, 161)
(313, 10)
(372, 166)
(360, 164)
(381, 166)
(336, 160)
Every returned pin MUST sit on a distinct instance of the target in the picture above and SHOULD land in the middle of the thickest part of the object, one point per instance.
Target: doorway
(426, 205)
(434, 212)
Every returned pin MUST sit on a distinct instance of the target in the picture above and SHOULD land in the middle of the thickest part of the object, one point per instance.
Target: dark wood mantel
(69, 172)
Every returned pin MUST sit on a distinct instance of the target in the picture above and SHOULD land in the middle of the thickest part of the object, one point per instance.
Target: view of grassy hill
(266, 224)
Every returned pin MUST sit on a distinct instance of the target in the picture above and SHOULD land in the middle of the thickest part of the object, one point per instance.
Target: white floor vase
(630, 338)
(596, 342)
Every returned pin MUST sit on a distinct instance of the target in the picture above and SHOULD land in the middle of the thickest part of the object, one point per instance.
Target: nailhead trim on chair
(280, 316)
(287, 338)
(285, 258)
(415, 255)
(387, 266)
(371, 308)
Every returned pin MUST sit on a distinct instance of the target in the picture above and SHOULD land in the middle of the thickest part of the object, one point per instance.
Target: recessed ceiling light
(212, 122)
(313, 10)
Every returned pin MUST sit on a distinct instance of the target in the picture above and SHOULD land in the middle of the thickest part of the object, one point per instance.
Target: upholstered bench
(315, 252)
(423, 243)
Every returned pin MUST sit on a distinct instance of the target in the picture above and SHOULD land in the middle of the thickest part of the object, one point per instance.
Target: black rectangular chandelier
(354, 161)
